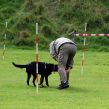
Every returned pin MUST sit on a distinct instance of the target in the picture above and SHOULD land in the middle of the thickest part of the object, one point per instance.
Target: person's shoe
(63, 82)
(63, 85)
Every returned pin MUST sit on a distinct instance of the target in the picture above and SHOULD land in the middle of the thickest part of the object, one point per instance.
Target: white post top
(85, 27)
(36, 28)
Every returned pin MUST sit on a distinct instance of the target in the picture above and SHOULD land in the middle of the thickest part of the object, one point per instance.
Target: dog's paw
(47, 85)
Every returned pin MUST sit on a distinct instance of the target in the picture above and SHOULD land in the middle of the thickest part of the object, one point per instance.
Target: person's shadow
(72, 89)
(78, 89)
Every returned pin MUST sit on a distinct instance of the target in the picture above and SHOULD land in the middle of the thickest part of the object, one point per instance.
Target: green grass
(87, 91)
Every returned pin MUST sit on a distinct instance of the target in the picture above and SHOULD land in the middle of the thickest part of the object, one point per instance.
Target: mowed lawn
(89, 90)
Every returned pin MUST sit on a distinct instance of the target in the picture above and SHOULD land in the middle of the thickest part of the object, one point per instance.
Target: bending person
(63, 51)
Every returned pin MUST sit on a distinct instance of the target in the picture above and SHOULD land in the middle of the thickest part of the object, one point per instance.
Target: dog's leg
(41, 81)
(28, 78)
(46, 80)
(34, 78)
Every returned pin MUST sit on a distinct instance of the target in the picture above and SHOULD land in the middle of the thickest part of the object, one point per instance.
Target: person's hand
(68, 70)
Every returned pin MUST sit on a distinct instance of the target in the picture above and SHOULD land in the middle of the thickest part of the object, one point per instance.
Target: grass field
(87, 91)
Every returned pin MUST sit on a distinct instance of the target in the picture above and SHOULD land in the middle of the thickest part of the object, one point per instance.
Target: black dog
(44, 69)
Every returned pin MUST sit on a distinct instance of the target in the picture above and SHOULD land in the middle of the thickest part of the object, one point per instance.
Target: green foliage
(103, 40)
(25, 42)
(69, 13)
(55, 18)
(48, 30)
(24, 39)
(95, 22)
(44, 42)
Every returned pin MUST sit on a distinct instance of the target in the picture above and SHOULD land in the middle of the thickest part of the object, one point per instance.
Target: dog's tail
(19, 66)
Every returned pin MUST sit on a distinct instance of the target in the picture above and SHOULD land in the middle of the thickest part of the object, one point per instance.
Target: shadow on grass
(78, 89)
(70, 89)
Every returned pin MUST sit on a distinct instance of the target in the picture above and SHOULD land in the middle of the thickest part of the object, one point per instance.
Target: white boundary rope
(96, 35)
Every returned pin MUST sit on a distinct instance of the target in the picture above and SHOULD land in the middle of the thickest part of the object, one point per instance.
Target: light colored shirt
(54, 46)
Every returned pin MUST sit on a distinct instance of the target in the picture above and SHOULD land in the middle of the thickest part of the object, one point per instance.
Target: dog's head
(48, 67)
(53, 67)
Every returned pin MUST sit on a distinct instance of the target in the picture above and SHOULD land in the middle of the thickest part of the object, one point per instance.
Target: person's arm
(68, 70)
(52, 51)
(55, 58)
